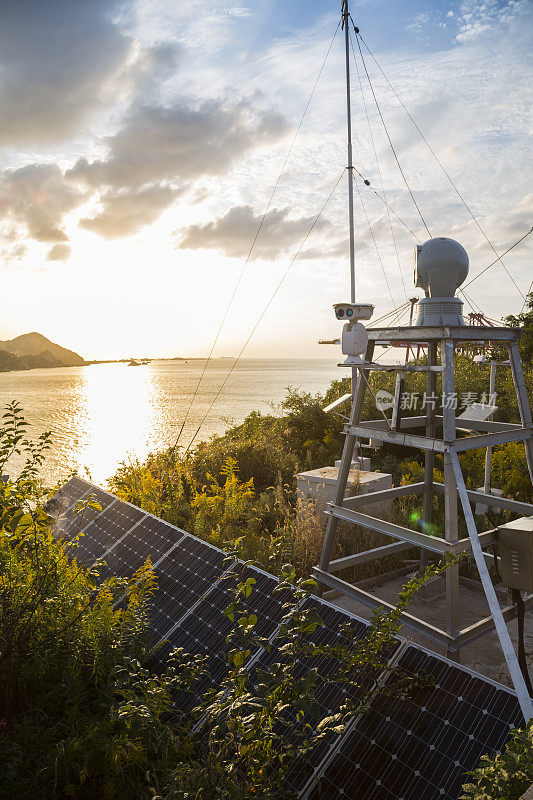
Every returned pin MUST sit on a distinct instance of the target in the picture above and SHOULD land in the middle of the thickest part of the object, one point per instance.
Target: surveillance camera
(351, 312)
(354, 334)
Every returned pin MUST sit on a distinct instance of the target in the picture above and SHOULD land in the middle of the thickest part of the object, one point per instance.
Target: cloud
(477, 17)
(233, 233)
(508, 227)
(156, 154)
(37, 198)
(14, 252)
(125, 212)
(418, 23)
(160, 151)
(59, 252)
(57, 60)
(179, 143)
(152, 66)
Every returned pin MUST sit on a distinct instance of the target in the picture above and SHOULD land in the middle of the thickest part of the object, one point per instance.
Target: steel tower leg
(450, 491)
(346, 461)
(501, 628)
(523, 400)
(429, 460)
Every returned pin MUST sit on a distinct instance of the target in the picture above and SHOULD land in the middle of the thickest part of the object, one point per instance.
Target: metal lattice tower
(441, 436)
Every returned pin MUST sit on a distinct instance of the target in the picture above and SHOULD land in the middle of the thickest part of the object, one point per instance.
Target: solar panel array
(419, 747)
(414, 748)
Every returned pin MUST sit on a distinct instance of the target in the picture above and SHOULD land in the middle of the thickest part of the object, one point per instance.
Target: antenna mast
(345, 18)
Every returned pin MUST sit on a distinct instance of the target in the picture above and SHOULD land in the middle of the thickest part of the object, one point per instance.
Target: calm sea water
(103, 414)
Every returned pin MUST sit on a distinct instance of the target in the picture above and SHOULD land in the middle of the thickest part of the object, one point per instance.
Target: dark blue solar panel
(150, 538)
(420, 747)
(331, 692)
(204, 630)
(103, 531)
(62, 506)
(73, 490)
(415, 748)
(77, 516)
(183, 577)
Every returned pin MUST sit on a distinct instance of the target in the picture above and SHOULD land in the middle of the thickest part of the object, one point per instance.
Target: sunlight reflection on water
(103, 414)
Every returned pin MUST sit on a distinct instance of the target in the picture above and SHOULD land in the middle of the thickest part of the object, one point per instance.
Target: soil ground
(483, 655)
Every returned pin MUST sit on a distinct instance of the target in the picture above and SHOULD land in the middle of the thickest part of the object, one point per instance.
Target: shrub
(81, 714)
(79, 717)
(507, 776)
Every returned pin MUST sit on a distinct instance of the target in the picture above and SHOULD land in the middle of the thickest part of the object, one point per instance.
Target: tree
(524, 320)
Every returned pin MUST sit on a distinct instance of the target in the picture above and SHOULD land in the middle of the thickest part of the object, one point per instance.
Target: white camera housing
(354, 334)
(353, 312)
(354, 342)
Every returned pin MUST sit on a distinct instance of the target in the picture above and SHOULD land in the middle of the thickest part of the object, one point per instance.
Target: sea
(102, 415)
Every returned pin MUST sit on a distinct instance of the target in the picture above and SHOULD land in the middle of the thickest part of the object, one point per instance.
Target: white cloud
(477, 17)
(125, 212)
(179, 143)
(234, 232)
(36, 197)
(159, 151)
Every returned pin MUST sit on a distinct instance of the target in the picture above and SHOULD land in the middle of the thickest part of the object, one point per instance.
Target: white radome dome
(441, 266)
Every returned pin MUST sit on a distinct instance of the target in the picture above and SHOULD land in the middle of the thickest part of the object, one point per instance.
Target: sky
(141, 140)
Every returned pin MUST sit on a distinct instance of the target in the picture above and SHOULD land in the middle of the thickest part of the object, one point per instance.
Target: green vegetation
(82, 716)
(524, 320)
(246, 478)
(509, 775)
(242, 484)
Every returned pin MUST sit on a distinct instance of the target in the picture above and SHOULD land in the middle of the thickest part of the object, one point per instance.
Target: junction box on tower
(516, 552)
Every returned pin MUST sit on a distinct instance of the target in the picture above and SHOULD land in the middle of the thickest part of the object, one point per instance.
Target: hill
(34, 350)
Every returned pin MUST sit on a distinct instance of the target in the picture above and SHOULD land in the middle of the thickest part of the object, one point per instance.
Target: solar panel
(149, 538)
(414, 748)
(103, 531)
(203, 631)
(338, 630)
(62, 504)
(76, 516)
(73, 490)
(419, 747)
(183, 576)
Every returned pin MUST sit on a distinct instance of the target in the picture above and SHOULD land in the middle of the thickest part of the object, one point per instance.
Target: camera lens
(349, 312)
(340, 312)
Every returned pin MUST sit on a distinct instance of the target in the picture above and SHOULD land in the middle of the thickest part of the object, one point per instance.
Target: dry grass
(303, 535)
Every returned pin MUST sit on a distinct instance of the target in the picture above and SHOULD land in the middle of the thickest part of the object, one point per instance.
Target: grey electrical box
(516, 551)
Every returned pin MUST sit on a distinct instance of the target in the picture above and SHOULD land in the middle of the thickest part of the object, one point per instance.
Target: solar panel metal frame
(146, 515)
(352, 724)
(348, 616)
(191, 609)
(74, 501)
(101, 527)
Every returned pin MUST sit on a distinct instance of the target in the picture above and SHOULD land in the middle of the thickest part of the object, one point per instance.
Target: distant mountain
(35, 350)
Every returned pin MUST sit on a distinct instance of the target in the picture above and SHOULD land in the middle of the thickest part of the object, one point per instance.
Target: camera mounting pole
(345, 19)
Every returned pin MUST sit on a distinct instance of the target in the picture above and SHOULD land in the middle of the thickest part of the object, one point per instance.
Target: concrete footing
(319, 485)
